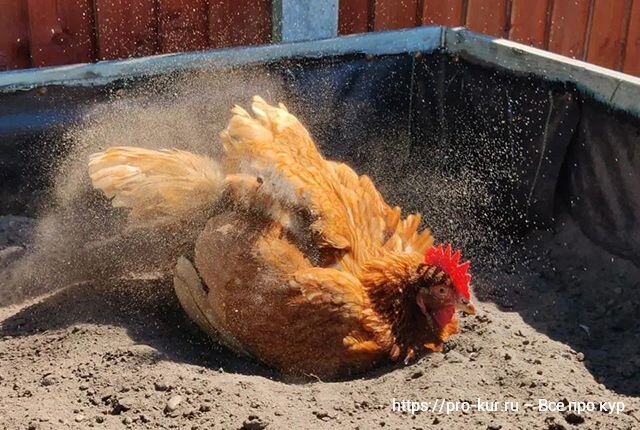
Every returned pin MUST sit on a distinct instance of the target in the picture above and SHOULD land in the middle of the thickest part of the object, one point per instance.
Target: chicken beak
(466, 306)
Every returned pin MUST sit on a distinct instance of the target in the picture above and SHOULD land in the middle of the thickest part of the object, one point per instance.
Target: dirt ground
(122, 354)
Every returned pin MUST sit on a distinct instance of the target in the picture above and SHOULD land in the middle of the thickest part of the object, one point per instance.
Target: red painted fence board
(126, 28)
(607, 32)
(353, 16)
(232, 23)
(632, 52)
(488, 17)
(569, 20)
(183, 25)
(61, 31)
(393, 14)
(50, 32)
(528, 22)
(443, 12)
(14, 35)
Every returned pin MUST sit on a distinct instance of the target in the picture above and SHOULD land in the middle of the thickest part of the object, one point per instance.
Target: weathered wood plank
(126, 28)
(569, 20)
(487, 17)
(183, 25)
(443, 12)
(632, 51)
(232, 23)
(608, 31)
(353, 16)
(14, 35)
(528, 22)
(394, 14)
(62, 31)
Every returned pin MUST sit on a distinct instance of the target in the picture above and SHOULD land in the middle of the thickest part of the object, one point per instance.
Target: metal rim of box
(617, 89)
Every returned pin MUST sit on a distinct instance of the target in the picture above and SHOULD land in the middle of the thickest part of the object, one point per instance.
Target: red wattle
(444, 315)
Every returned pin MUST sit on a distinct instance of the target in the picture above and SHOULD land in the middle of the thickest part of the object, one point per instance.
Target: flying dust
(79, 237)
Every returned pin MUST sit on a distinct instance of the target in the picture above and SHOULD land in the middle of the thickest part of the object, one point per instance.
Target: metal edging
(423, 39)
(616, 89)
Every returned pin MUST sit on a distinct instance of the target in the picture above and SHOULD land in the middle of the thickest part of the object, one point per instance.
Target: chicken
(300, 262)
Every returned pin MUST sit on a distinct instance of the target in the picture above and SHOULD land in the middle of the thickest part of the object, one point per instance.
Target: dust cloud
(79, 237)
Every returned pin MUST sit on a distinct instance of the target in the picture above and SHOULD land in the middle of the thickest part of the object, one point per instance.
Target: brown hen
(300, 262)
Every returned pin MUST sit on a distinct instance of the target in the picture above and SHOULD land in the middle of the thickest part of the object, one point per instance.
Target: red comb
(449, 263)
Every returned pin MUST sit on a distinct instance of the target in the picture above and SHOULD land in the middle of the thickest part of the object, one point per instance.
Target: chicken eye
(439, 290)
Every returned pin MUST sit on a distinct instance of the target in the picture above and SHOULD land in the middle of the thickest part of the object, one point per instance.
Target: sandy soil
(122, 354)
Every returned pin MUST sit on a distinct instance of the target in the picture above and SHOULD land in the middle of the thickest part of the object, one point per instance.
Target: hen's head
(417, 300)
(444, 285)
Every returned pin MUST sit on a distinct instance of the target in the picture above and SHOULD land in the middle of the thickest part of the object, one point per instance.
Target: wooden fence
(603, 32)
(50, 32)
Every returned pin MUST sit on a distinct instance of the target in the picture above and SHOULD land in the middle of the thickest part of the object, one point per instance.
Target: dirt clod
(254, 423)
(161, 386)
(573, 418)
(173, 403)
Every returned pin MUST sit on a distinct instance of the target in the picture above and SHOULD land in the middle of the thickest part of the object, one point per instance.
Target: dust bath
(93, 335)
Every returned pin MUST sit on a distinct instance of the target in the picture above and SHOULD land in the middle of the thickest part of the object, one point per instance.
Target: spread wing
(397, 234)
(158, 186)
(274, 167)
(346, 211)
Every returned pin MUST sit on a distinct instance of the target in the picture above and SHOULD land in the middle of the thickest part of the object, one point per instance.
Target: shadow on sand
(148, 309)
(578, 294)
(150, 312)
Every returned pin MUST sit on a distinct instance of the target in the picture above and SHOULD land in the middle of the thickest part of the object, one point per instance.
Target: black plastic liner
(601, 185)
(530, 148)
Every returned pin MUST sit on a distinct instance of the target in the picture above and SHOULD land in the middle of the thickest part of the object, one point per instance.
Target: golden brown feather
(304, 265)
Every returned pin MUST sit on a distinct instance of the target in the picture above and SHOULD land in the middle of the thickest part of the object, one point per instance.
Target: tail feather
(159, 186)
